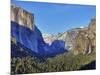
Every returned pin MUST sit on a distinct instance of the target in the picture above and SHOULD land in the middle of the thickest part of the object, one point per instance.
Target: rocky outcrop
(92, 25)
(24, 30)
(22, 17)
(85, 40)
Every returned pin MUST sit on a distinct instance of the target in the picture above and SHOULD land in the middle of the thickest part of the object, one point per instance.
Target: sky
(53, 18)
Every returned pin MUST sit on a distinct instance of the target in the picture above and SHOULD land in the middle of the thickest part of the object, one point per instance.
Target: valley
(34, 52)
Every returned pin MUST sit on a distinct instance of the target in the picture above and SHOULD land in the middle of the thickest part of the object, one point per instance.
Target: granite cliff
(22, 17)
(24, 30)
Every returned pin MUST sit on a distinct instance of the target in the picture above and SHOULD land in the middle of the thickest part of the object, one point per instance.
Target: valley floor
(61, 62)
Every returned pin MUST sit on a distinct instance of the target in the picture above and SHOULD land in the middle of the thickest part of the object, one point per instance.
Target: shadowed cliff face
(22, 17)
(24, 30)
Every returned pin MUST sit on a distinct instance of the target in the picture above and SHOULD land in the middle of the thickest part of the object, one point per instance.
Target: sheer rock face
(22, 17)
(24, 30)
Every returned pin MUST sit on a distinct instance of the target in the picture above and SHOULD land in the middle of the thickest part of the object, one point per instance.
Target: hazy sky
(53, 18)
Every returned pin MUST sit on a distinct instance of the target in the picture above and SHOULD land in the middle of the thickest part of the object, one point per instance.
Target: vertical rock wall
(22, 17)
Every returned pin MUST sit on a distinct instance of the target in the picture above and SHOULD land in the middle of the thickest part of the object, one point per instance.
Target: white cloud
(81, 26)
